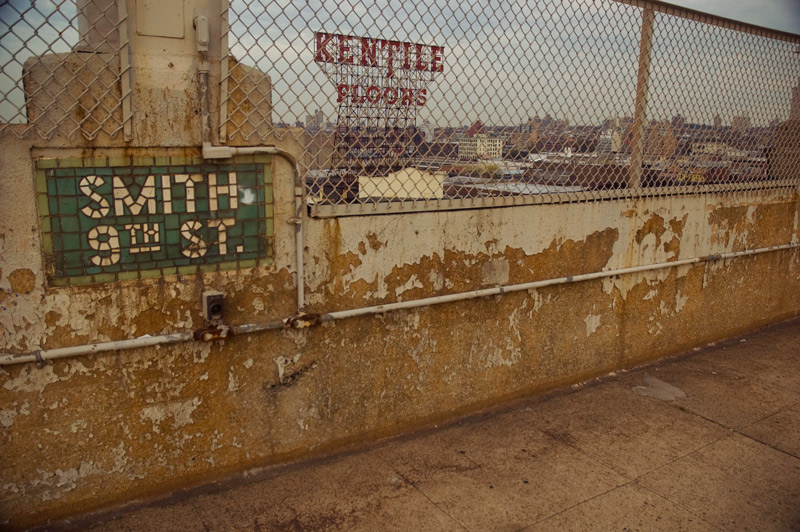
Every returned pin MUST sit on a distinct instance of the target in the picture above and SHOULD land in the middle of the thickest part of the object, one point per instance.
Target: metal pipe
(63, 352)
(226, 152)
(539, 284)
(713, 20)
(297, 321)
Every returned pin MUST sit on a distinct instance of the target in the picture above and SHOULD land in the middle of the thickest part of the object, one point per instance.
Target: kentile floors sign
(395, 61)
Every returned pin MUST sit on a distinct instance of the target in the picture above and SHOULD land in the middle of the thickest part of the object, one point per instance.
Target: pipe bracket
(302, 321)
(212, 332)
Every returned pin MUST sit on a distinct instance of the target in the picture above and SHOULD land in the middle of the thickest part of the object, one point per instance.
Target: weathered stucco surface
(91, 431)
(83, 433)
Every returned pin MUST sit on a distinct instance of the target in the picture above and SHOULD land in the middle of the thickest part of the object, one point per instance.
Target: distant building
(316, 120)
(786, 151)
(427, 132)
(794, 112)
(530, 126)
(476, 129)
(609, 142)
(525, 136)
(407, 183)
(319, 149)
(660, 141)
(480, 146)
(709, 148)
(740, 124)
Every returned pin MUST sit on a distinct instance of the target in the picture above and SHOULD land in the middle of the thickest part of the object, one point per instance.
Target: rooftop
(706, 441)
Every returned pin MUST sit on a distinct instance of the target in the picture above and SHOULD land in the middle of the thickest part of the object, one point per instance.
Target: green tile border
(42, 199)
(41, 182)
(126, 276)
(70, 163)
(119, 161)
(46, 163)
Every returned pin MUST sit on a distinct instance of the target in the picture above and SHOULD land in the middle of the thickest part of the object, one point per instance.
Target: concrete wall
(84, 433)
(96, 430)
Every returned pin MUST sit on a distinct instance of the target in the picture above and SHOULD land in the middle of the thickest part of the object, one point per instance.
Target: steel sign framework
(380, 85)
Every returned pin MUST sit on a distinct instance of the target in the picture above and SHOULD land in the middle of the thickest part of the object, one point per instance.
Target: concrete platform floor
(708, 441)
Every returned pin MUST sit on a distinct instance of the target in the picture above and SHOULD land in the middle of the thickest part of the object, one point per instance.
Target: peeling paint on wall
(115, 426)
(592, 323)
(180, 412)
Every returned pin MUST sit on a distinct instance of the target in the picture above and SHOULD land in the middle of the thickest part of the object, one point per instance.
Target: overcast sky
(781, 15)
(509, 60)
(505, 60)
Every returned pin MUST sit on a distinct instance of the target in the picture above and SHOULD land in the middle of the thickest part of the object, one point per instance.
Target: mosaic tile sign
(124, 218)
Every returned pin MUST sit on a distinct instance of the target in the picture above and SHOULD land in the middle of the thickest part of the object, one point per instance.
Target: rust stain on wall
(374, 242)
(751, 226)
(771, 224)
(150, 420)
(677, 225)
(673, 247)
(563, 258)
(63, 336)
(22, 281)
(454, 271)
(653, 226)
(728, 225)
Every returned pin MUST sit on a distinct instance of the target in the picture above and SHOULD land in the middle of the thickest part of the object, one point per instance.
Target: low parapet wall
(86, 432)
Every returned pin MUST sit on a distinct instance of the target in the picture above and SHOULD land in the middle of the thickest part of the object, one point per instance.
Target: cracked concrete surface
(723, 455)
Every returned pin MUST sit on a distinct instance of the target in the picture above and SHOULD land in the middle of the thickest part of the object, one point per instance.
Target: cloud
(783, 15)
(505, 60)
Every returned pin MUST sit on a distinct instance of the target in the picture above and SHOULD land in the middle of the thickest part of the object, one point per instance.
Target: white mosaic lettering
(166, 194)
(150, 237)
(123, 198)
(189, 180)
(222, 227)
(102, 207)
(197, 246)
(111, 243)
(229, 190)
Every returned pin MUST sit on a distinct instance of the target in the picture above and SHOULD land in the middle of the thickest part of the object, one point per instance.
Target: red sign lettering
(378, 53)
(344, 49)
(436, 61)
(387, 95)
(323, 56)
(420, 64)
(369, 52)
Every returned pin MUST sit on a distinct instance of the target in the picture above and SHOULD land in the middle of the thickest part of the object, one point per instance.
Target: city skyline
(578, 62)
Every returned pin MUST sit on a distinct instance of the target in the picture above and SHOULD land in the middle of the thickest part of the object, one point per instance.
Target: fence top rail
(713, 20)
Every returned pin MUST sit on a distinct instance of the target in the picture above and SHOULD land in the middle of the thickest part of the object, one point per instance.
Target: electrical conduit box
(213, 305)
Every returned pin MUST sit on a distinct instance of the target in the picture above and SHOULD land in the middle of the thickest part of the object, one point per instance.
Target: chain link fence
(64, 68)
(430, 105)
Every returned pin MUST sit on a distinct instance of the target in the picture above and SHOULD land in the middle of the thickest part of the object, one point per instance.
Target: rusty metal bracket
(302, 321)
(212, 332)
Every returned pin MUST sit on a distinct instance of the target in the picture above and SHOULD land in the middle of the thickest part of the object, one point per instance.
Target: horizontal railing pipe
(303, 320)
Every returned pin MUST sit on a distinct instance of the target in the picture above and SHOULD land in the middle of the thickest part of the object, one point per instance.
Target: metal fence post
(222, 122)
(125, 71)
(642, 92)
